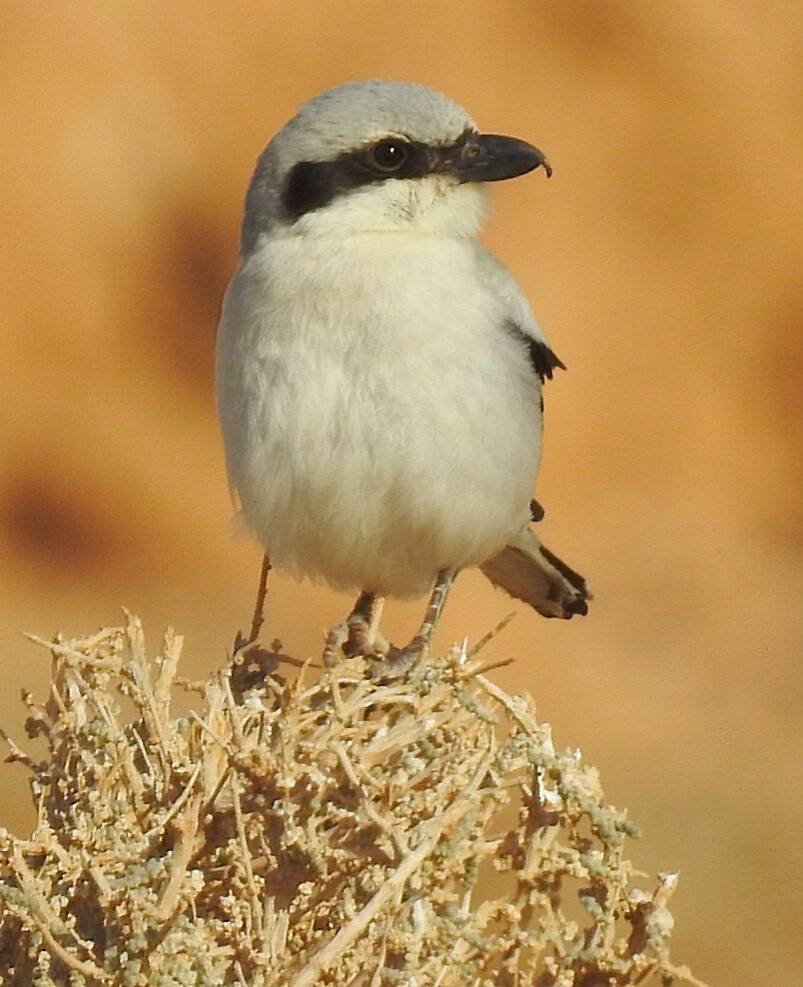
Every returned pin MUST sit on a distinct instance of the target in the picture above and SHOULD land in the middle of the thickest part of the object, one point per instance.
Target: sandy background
(663, 260)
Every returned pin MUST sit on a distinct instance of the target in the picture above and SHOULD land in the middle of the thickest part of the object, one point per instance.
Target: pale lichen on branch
(314, 827)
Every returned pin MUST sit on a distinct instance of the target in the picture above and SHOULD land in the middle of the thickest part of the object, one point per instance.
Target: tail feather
(527, 570)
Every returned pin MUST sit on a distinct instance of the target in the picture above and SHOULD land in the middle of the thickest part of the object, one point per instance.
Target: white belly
(378, 425)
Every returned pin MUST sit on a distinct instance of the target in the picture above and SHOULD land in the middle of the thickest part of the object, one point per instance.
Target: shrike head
(381, 157)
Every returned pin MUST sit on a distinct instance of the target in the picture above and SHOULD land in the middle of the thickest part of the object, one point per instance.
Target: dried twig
(306, 833)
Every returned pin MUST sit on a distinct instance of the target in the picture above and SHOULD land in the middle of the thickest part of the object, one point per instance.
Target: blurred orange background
(664, 262)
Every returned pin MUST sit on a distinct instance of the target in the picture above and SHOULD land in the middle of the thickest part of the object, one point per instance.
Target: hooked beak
(491, 158)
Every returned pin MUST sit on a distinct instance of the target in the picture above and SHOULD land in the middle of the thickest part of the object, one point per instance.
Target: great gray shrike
(379, 372)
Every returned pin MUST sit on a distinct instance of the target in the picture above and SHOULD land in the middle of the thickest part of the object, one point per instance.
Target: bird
(379, 373)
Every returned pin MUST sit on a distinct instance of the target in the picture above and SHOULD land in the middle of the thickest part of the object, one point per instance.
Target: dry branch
(297, 831)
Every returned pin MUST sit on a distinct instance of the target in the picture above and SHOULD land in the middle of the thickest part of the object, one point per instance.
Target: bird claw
(398, 661)
(335, 639)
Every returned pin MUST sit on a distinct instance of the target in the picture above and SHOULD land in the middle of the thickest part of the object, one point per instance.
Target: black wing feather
(542, 358)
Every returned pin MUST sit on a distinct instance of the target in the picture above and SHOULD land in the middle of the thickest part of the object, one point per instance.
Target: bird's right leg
(359, 633)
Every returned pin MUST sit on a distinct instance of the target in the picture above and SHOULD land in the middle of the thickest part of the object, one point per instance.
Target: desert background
(663, 260)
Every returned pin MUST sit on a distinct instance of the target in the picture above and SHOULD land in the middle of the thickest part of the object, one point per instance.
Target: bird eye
(388, 155)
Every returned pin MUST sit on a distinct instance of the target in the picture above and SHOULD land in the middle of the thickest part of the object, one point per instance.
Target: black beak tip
(538, 159)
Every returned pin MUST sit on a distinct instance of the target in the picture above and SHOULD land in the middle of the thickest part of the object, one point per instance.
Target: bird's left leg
(399, 661)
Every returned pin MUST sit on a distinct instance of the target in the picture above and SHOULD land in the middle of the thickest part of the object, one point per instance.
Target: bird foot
(354, 637)
(398, 661)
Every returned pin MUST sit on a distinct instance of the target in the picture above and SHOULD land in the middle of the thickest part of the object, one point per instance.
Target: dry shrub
(313, 827)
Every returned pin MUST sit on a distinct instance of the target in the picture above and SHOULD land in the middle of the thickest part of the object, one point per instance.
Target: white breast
(379, 423)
